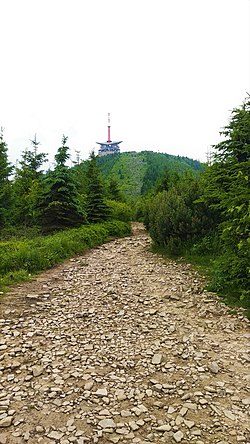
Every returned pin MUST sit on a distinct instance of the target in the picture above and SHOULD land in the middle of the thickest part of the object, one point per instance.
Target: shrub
(119, 210)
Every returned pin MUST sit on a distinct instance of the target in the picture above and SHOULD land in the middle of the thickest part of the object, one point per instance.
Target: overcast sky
(168, 71)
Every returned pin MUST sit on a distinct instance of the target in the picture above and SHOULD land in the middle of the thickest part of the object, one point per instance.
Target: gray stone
(178, 436)
(6, 422)
(55, 435)
(101, 392)
(107, 424)
(157, 358)
(214, 367)
(163, 428)
(37, 370)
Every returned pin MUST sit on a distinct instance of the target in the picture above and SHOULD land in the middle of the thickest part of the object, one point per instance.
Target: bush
(119, 210)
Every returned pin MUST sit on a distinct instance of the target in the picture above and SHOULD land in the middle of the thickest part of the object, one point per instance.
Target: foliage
(27, 185)
(19, 259)
(114, 191)
(97, 209)
(139, 172)
(119, 210)
(5, 185)
(175, 218)
(228, 191)
(60, 204)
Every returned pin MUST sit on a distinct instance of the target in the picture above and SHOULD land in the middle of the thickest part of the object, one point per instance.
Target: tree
(97, 209)
(228, 191)
(60, 204)
(27, 185)
(114, 192)
(5, 185)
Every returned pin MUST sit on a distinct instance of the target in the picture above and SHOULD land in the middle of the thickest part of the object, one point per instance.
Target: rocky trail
(122, 346)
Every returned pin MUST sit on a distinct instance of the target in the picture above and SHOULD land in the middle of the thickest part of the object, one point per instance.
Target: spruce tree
(228, 191)
(97, 209)
(60, 205)
(27, 185)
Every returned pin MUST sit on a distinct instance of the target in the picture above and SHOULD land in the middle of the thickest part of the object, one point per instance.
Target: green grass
(205, 265)
(20, 259)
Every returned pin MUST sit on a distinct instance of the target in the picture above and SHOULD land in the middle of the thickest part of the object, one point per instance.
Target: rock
(89, 385)
(37, 370)
(107, 424)
(55, 435)
(229, 415)
(213, 367)
(39, 429)
(6, 422)
(246, 401)
(178, 436)
(163, 428)
(188, 423)
(101, 392)
(157, 358)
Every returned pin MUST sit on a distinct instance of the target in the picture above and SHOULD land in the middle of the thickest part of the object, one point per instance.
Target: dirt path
(121, 346)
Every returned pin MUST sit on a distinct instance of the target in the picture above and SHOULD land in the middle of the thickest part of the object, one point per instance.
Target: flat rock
(6, 422)
(101, 392)
(107, 424)
(178, 436)
(157, 358)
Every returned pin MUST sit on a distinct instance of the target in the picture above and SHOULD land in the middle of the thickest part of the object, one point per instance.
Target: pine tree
(60, 205)
(228, 191)
(114, 192)
(27, 185)
(97, 209)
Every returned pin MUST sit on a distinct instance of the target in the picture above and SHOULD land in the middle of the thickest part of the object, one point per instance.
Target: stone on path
(178, 436)
(107, 423)
(6, 422)
(157, 358)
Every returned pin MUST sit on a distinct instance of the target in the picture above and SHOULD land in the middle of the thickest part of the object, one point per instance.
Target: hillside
(138, 172)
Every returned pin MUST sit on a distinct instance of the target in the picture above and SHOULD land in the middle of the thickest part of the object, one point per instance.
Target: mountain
(138, 172)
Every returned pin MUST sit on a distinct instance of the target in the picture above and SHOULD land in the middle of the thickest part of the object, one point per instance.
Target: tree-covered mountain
(138, 172)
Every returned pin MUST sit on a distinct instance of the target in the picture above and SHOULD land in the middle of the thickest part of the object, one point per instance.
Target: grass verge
(206, 265)
(20, 259)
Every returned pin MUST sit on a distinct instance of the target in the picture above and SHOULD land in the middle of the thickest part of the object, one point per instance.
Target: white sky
(168, 71)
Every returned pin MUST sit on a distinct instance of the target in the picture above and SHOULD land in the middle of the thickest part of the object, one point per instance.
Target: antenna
(77, 156)
(108, 141)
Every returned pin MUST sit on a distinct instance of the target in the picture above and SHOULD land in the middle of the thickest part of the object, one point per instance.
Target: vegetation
(209, 214)
(138, 173)
(97, 209)
(19, 259)
(60, 203)
(198, 211)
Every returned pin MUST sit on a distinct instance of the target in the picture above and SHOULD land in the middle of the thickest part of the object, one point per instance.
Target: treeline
(138, 172)
(208, 215)
(57, 199)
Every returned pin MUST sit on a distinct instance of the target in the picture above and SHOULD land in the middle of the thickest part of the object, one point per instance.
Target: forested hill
(138, 172)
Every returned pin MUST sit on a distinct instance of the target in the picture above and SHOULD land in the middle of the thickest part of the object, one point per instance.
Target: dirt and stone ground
(122, 346)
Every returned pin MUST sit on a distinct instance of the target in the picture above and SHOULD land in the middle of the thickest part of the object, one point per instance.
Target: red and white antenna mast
(108, 128)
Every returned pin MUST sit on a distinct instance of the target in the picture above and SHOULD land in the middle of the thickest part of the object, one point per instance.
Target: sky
(168, 71)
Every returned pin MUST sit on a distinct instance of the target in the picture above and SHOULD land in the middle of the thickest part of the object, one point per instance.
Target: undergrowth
(20, 259)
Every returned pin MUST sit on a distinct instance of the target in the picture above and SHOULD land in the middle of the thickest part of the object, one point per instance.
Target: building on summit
(108, 147)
